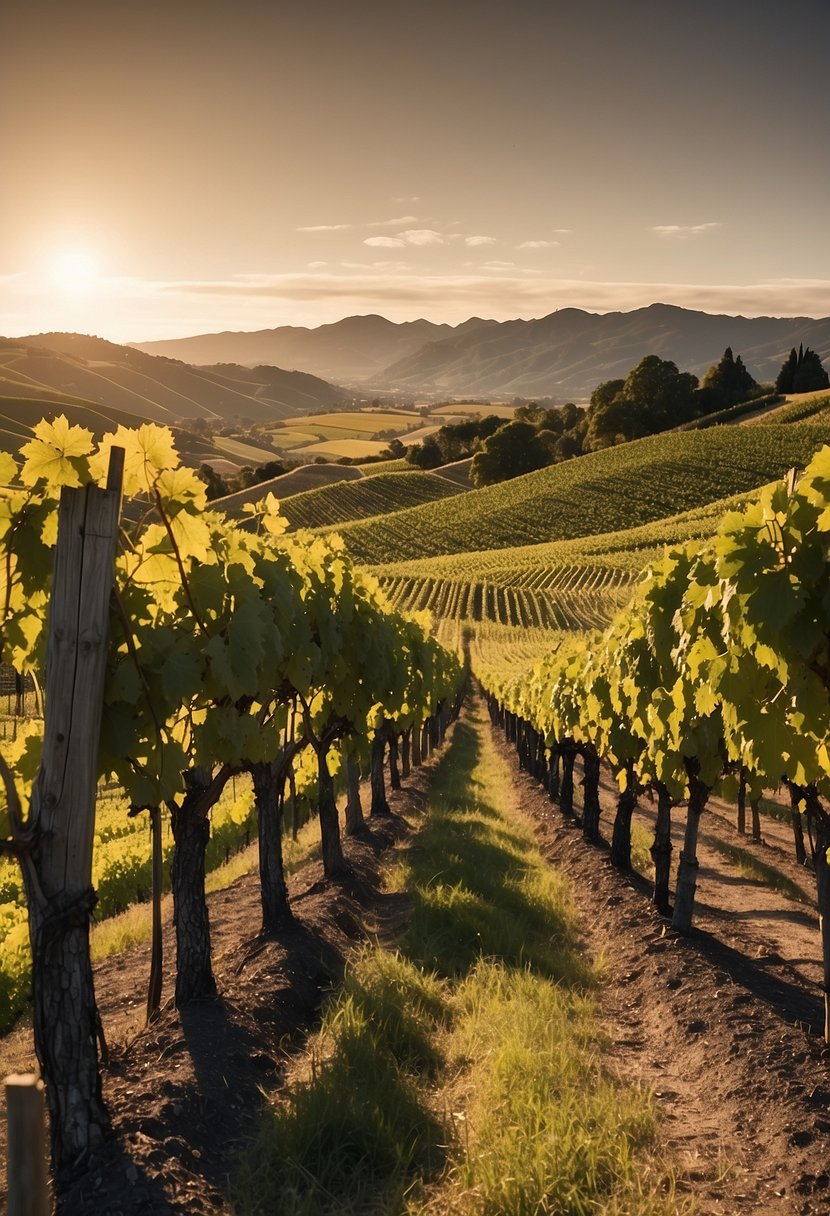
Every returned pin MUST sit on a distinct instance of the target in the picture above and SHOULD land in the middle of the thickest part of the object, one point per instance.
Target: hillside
(563, 584)
(306, 477)
(154, 389)
(605, 491)
(360, 499)
(353, 350)
(569, 352)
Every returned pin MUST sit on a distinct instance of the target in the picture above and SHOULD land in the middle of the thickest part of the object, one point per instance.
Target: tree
(801, 372)
(664, 395)
(728, 381)
(515, 448)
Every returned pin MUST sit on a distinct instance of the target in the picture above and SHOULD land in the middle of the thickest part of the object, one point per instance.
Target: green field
(375, 495)
(607, 491)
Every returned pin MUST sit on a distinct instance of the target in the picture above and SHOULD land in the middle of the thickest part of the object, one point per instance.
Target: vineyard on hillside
(378, 494)
(606, 491)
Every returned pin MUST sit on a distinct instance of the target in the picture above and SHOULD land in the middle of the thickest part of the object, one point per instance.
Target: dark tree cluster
(802, 372)
(654, 396)
(454, 441)
(218, 486)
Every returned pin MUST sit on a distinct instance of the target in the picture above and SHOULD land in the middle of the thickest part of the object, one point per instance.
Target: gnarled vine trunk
(269, 789)
(590, 802)
(405, 750)
(354, 807)
(661, 850)
(566, 788)
(334, 863)
(621, 835)
(191, 832)
(684, 900)
(394, 772)
(379, 806)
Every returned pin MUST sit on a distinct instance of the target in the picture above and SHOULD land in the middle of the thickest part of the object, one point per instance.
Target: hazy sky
(175, 168)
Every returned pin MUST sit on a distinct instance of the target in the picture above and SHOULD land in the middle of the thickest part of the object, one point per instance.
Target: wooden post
(56, 841)
(28, 1192)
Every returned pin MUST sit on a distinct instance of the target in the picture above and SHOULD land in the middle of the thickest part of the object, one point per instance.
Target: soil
(723, 1025)
(186, 1092)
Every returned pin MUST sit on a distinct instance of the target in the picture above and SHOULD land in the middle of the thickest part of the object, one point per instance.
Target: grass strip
(463, 1071)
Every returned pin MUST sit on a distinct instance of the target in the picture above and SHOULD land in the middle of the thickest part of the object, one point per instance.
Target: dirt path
(715, 1024)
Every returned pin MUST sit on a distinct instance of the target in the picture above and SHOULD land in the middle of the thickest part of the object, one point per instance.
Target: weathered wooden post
(27, 1186)
(54, 842)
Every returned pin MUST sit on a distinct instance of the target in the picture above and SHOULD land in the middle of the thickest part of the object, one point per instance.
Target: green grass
(612, 490)
(462, 1072)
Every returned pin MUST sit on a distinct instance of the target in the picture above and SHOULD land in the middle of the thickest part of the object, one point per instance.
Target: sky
(178, 168)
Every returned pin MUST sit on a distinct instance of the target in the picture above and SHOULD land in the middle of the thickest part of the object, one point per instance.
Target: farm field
(375, 494)
(607, 491)
(345, 433)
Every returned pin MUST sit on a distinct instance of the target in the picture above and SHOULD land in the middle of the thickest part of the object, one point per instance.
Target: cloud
(380, 265)
(395, 223)
(325, 228)
(407, 198)
(682, 232)
(317, 265)
(446, 296)
(385, 242)
(494, 265)
(479, 240)
(422, 236)
(538, 244)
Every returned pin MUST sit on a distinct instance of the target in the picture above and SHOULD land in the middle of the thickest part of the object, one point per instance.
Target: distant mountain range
(355, 350)
(563, 355)
(122, 379)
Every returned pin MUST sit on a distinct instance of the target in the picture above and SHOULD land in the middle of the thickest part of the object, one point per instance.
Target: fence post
(28, 1192)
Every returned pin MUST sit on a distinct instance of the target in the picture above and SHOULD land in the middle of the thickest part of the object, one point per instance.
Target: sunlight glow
(75, 273)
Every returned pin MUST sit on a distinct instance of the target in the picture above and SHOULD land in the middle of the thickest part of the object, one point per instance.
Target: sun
(75, 273)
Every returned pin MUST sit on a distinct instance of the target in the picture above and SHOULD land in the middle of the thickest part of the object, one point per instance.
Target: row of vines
(715, 679)
(229, 651)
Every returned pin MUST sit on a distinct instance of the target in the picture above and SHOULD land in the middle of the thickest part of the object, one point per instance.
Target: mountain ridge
(563, 354)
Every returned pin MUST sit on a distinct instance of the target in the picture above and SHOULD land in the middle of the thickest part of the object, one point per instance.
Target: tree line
(655, 396)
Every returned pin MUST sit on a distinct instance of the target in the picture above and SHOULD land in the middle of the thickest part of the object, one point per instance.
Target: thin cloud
(326, 228)
(317, 265)
(385, 242)
(538, 244)
(495, 265)
(682, 232)
(395, 223)
(473, 241)
(446, 296)
(422, 236)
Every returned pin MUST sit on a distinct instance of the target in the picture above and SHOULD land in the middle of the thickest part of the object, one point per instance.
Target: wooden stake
(28, 1192)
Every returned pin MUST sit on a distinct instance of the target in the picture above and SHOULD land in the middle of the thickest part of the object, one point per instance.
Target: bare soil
(723, 1025)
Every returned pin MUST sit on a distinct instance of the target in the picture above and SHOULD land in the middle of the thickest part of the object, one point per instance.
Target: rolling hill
(118, 378)
(569, 352)
(350, 351)
(606, 491)
(380, 494)
(563, 355)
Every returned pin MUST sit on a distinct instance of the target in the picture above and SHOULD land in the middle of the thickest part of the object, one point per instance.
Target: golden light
(75, 273)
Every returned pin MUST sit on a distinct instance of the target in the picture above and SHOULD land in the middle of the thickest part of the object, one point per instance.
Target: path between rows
(713, 1025)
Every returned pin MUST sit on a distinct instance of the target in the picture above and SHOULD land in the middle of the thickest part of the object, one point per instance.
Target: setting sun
(75, 273)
